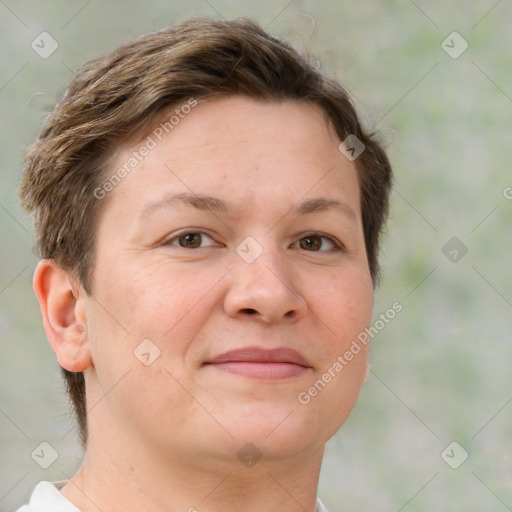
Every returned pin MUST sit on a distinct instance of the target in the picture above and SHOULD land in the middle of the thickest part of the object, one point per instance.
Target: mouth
(260, 363)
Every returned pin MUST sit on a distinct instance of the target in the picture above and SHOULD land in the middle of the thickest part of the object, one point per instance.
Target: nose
(264, 290)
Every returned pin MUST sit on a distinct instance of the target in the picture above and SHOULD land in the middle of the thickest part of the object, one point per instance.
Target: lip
(262, 363)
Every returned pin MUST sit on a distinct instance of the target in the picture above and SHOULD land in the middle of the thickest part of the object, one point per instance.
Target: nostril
(250, 311)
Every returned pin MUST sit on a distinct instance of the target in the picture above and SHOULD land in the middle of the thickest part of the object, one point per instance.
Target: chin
(277, 430)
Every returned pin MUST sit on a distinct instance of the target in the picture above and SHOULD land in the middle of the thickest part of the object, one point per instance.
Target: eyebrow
(321, 204)
(216, 205)
(199, 201)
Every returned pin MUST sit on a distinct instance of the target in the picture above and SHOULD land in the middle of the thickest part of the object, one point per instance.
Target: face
(234, 252)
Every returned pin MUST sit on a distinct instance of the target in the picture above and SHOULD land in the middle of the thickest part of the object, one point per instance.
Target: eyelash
(338, 246)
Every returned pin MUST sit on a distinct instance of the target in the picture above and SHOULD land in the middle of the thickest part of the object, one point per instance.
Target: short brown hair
(128, 90)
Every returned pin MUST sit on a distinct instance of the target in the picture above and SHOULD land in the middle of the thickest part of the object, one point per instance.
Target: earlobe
(64, 319)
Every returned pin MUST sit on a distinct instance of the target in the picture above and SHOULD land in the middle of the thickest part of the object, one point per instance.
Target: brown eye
(317, 242)
(311, 243)
(190, 240)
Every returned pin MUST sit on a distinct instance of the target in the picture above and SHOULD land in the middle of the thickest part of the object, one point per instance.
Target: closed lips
(262, 364)
(259, 355)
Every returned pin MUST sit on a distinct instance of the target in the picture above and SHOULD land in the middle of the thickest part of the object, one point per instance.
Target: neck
(117, 478)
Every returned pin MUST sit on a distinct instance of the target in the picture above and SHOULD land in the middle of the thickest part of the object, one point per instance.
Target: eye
(190, 240)
(316, 242)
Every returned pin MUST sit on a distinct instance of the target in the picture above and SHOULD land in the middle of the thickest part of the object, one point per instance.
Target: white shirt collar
(46, 497)
(320, 507)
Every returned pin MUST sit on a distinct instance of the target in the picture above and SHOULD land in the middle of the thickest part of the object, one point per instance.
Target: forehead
(237, 147)
(242, 120)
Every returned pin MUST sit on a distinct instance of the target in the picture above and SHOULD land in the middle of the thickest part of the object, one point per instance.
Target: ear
(62, 306)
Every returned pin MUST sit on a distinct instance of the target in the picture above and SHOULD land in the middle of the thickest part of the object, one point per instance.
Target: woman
(208, 210)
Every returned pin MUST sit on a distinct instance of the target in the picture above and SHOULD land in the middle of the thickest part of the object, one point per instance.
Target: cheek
(149, 313)
(344, 303)
(148, 298)
(344, 310)
(167, 304)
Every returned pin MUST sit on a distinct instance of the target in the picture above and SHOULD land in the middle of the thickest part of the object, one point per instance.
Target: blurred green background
(441, 368)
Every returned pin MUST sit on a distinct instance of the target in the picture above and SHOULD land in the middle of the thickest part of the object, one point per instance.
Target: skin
(166, 436)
